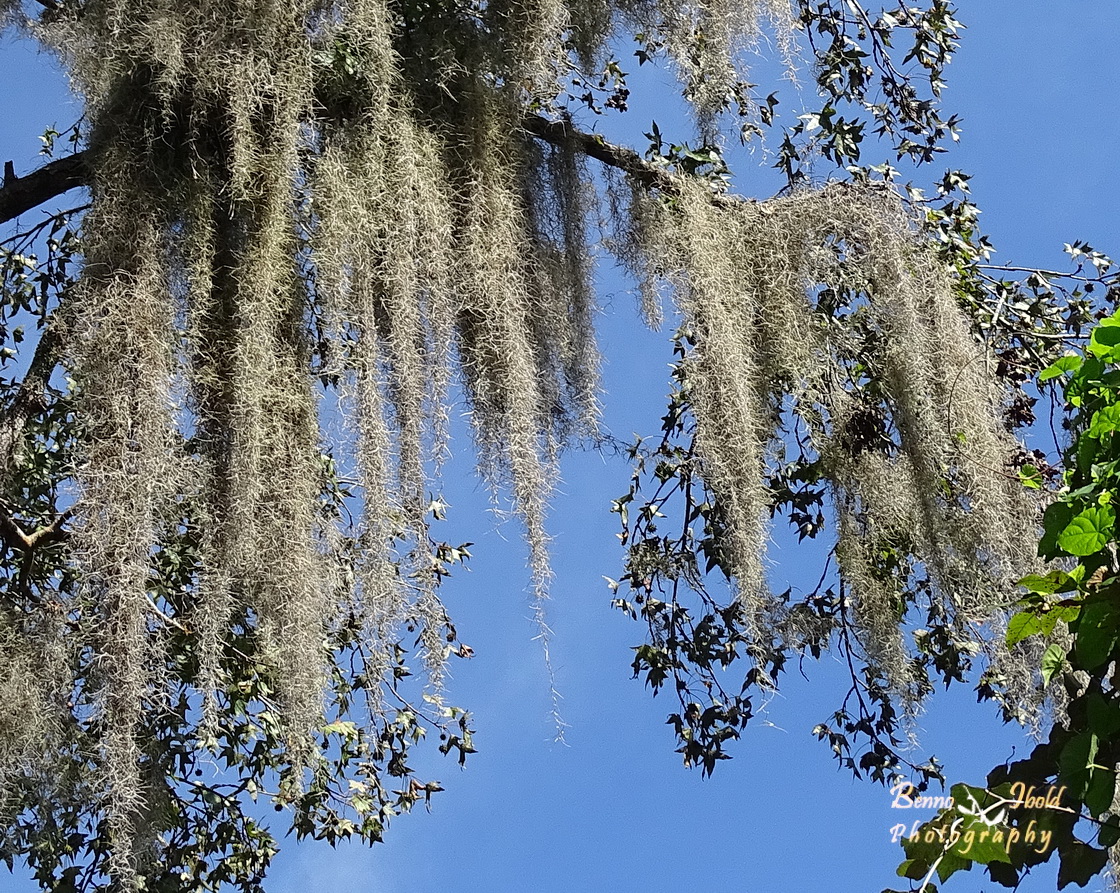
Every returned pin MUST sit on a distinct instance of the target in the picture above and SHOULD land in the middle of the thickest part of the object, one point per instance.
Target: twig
(175, 623)
(1049, 274)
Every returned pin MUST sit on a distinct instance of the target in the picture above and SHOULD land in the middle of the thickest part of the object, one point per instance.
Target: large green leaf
(1104, 343)
(1088, 531)
(1097, 629)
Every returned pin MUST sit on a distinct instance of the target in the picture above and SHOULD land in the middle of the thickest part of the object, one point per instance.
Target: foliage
(1066, 787)
(368, 207)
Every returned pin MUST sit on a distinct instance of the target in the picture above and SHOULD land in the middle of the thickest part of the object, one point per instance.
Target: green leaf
(1088, 531)
(1109, 832)
(1104, 343)
(976, 838)
(1050, 619)
(1079, 753)
(1103, 716)
(1105, 421)
(976, 843)
(1055, 581)
(1003, 874)
(1054, 521)
(1030, 477)
(1059, 367)
(915, 869)
(1039, 621)
(1022, 626)
(1097, 628)
(950, 864)
(1099, 791)
(1053, 659)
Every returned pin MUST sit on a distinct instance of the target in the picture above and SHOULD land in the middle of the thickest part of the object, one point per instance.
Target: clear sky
(613, 809)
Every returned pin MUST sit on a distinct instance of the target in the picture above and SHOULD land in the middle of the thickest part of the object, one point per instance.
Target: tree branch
(13, 536)
(623, 158)
(30, 396)
(560, 133)
(20, 194)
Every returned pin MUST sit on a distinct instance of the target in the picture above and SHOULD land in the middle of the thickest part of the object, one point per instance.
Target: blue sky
(613, 809)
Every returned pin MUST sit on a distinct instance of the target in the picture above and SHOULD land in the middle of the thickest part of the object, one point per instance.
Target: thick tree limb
(20, 194)
(623, 158)
(592, 145)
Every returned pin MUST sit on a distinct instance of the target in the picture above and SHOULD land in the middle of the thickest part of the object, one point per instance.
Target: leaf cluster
(1080, 757)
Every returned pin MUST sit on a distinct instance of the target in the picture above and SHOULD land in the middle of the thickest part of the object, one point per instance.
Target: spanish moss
(936, 482)
(316, 206)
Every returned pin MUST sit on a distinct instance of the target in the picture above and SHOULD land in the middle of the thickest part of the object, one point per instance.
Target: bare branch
(20, 194)
(15, 538)
(11, 532)
(49, 533)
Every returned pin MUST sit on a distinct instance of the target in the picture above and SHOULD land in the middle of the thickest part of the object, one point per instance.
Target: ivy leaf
(1089, 530)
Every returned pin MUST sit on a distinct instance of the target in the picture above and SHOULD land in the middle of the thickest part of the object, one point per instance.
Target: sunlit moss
(287, 189)
(940, 487)
(431, 242)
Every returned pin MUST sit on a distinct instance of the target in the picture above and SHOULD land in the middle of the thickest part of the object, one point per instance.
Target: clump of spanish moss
(708, 42)
(934, 481)
(295, 198)
(34, 685)
(274, 206)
